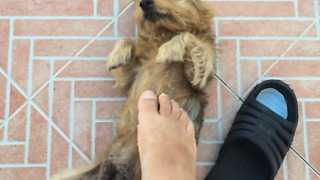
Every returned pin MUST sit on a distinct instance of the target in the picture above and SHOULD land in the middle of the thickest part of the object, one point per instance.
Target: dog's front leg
(121, 63)
(187, 47)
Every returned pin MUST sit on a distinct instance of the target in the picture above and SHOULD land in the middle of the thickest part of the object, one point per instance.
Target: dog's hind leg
(187, 47)
(119, 162)
(104, 171)
(122, 63)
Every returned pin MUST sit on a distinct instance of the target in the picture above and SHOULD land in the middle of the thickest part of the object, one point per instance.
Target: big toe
(148, 102)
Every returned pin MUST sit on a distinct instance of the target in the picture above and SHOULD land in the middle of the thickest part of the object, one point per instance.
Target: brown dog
(174, 54)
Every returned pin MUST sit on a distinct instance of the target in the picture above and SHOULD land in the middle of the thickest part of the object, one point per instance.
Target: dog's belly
(169, 79)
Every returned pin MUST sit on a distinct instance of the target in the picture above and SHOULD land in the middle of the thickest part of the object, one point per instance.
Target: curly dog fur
(174, 54)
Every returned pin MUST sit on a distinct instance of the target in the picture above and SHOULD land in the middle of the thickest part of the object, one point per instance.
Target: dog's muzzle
(147, 5)
(149, 10)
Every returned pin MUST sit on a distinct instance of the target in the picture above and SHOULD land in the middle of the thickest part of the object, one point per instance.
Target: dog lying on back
(174, 54)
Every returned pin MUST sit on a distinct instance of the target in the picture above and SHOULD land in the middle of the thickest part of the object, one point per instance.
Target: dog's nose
(146, 4)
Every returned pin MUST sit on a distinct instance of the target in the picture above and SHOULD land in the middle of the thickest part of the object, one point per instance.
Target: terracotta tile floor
(57, 104)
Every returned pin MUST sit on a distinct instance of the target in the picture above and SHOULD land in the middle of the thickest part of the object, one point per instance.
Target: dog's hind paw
(121, 54)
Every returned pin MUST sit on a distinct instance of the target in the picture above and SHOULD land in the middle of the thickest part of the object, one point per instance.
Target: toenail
(149, 95)
(163, 94)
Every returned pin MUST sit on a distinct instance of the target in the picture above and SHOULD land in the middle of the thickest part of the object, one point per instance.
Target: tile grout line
(30, 82)
(292, 58)
(313, 120)
(205, 141)
(61, 132)
(219, 99)
(93, 129)
(101, 99)
(62, 58)
(95, 9)
(21, 165)
(310, 78)
(317, 13)
(220, 114)
(259, 68)
(26, 152)
(61, 69)
(285, 169)
(252, 38)
(13, 83)
(105, 120)
(216, 27)
(115, 14)
(49, 135)
(84, 79)
(296, 8)
(220, 131)
(12, 143)
(135, 32)
(114, 37)
(13, 114)
(228, 87)
(200, 163)
(57, 17)
(213, 120)
(305, 138)
(259, 18)
(305, 162)
(71, 37)
(114, 129)
(239, 78)
(71, 123)
(309, 99)
(8, 88)
(248, 0)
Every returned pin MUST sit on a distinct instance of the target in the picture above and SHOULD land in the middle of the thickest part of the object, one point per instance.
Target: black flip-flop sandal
(258, 140)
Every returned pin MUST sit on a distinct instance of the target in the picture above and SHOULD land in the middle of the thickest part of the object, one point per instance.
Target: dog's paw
(202, 76)
(121, 54)
(203, 60)
(169, 52)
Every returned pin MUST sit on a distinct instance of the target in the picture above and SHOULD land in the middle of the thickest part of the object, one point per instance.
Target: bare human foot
(166, 141)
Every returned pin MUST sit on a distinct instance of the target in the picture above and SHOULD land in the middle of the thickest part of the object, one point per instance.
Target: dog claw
(111, 68)
(114, 67)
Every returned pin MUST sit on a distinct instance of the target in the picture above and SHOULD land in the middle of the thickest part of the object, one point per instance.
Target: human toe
(184, 118)
(148, 102)
(164, 104)
(175, 109)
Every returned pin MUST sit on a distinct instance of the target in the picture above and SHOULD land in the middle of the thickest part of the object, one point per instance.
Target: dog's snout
(146, 4)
